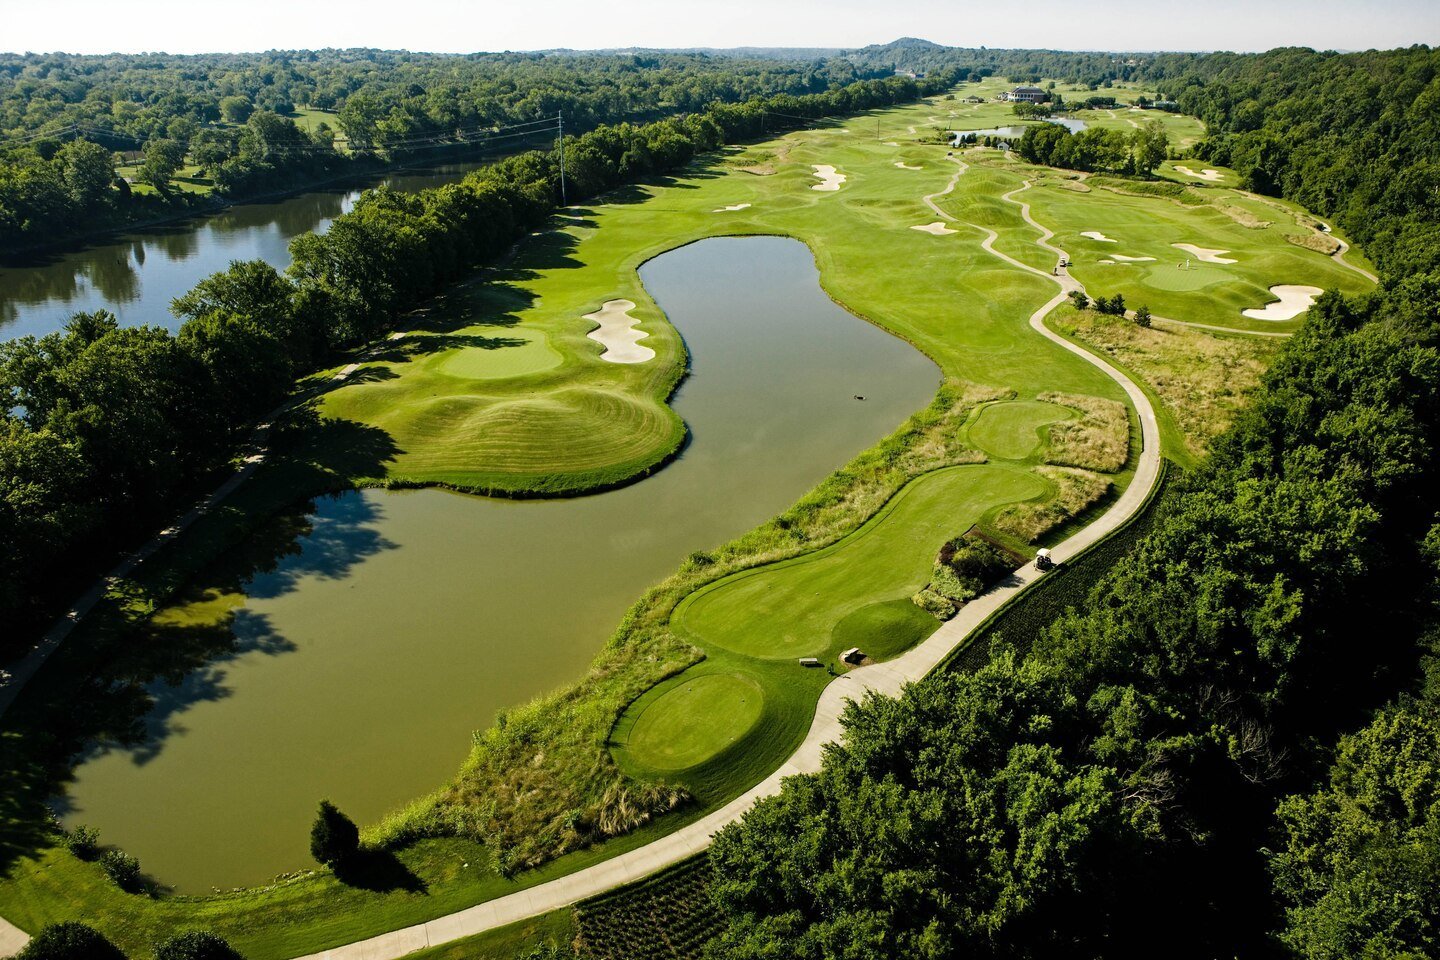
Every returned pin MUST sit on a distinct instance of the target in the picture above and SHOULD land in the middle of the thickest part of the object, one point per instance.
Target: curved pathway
(889, 679)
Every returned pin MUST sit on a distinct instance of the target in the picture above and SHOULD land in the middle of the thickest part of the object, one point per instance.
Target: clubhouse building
(1028, 94)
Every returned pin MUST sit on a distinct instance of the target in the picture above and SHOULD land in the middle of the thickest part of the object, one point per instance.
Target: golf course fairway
(697, 697)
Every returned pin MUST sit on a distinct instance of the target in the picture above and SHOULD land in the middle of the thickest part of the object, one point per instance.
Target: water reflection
(359, 645)
(137, 274)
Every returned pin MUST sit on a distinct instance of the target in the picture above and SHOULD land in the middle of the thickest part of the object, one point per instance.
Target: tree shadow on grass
(379, 871)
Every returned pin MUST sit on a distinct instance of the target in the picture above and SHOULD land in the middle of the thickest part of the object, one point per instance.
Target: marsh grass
(1319, 242)
(541, 782)
(1098, 440)
(1203, 380)
(1076, 490)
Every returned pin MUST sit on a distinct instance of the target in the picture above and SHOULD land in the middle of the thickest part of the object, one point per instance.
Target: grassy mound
(1014, 430)
(692, 720)
(885, 629)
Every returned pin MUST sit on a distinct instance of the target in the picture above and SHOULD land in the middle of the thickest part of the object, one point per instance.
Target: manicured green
(514, 422)
(694, 719)
(884, 628)
(790, 609)
(1015, 430)
(1147, 226)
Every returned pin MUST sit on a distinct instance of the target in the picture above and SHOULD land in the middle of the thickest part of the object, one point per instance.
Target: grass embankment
(544, 782)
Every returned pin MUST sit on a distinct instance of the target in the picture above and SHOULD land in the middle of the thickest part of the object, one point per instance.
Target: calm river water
(400, 622)
(135, 275)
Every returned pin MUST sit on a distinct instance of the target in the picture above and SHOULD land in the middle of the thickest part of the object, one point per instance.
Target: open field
(498, 387)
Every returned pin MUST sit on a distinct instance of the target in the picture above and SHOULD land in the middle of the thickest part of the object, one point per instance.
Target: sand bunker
(1211, 175)
(905, 166)
(1203, 254)
(891, 143)
(1292, 301)
(1109, 261)
(937, 229)
(1121, 256)
(1097, 235)
(732, 207)
(831, 179)
(618, 334)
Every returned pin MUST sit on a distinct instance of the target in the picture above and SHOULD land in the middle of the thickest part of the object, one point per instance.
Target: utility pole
(560, 126)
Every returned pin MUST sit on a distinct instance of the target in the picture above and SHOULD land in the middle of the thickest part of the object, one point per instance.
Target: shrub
(196, 945)
(1142, 316)
(70, 941)
(84, 842)
(122, 869)
(934, 604)
(1078, 298)
(334, 838)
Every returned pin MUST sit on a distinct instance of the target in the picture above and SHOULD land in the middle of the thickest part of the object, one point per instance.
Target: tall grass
(541, 782)
(1098, 440)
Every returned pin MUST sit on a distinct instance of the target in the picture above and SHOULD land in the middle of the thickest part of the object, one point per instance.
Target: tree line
(63, 119)
(1137, 152)
(108, 428)
(1230, 747)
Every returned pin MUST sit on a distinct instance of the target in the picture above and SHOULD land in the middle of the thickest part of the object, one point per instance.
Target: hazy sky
(187, 26)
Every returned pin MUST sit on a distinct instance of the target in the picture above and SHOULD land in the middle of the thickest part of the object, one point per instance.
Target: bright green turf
(1147, 226)
(693, 719)
(584, 422)
(790, 609)
(882, 630)
(1016, 429)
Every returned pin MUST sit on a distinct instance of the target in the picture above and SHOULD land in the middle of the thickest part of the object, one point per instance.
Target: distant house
(1028, 95)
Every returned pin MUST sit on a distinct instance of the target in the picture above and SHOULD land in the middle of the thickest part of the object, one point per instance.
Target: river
(137, 273)
(378, 630)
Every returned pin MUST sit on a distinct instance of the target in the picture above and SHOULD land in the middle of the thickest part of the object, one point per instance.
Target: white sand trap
(1293, 301)
(937, 229)
(731, 208)
(1204, 254)
(905, 166)
(1110, 262)
(1212, 175)
(891, 143)
(1097, 235)
(831, 179)
(618, 334)
(1121, 256)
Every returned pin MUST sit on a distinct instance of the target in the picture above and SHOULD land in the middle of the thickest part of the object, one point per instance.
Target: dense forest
(1233, 747)
(64, 119)
(109, 428)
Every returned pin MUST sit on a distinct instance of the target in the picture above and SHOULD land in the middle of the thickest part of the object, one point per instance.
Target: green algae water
(377, 630)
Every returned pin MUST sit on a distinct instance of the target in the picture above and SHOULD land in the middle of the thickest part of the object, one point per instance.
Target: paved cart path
(887, 678)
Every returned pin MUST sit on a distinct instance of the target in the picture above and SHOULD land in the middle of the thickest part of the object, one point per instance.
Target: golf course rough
(545, 428)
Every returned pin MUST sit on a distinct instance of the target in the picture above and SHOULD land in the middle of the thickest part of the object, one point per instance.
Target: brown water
(400, 622)
(136, 274)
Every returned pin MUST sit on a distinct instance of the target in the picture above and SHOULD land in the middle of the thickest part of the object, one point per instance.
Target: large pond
(394, 624)
(1015, 133)
(137, 274)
